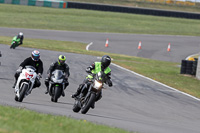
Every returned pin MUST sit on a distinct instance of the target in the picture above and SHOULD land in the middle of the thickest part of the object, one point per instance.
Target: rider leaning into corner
(19, 38)
(94, 69)
(34, 61)
(60, 65)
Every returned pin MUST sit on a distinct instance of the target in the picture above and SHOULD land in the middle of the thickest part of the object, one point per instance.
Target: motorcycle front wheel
(88, 103)
(22, 92)
(57, 93)
(11, 46)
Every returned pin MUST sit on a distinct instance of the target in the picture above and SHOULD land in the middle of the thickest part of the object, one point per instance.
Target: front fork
(83, 96)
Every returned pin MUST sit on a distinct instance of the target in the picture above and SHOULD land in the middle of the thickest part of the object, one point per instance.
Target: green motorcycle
(15, 42)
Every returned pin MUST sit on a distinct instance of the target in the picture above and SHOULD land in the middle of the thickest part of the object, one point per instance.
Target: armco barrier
(54, 4)
(133, 10)
(99, 7)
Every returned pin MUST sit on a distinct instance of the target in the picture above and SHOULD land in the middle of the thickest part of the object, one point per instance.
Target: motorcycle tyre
(22, 92)
(57, 93)
(11, 46)
(76, 108)
(16, 98)
(90, 101)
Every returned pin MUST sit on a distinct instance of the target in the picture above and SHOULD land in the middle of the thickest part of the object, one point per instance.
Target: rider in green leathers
(17, 40)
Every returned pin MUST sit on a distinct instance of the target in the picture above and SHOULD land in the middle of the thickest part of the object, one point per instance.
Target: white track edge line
(87, 47)
(191, 56)
(157, 82)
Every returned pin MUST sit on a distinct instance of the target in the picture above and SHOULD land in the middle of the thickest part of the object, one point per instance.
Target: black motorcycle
(56, 85)
(90, 92)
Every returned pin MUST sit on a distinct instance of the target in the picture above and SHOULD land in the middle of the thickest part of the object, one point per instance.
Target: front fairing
(28, 75)
(16, 40)
(57, 76)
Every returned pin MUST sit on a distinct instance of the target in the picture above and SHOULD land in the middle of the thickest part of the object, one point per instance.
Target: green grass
(20, 120)
(165, 72)
(93, 21)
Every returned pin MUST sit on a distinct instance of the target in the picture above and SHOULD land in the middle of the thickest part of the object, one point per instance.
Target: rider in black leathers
(34, 61)
(60, 65)
(105, 62)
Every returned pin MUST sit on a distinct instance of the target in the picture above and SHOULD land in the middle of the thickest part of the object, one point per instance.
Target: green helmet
(61, 59)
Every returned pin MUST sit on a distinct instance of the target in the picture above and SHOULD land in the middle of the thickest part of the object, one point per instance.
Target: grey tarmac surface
(133, 103)
(153, 46)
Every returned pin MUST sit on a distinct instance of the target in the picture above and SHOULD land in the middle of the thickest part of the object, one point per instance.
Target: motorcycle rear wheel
(76, 108)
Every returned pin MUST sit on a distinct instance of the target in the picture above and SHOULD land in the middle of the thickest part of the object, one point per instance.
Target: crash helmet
(20, 35)
(35, 55)
(105, 61)
(61, 59)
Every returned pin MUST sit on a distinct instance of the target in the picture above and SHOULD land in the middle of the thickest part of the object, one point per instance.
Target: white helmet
(20, 35)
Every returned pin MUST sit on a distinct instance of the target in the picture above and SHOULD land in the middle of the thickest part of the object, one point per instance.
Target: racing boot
(63, 93)
(47, 91)
(77, 92)
(47, 85)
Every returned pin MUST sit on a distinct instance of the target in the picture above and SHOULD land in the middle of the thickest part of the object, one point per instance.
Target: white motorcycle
(25, 83)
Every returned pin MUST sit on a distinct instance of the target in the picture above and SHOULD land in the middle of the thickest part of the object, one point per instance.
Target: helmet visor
(36, 58)
(61, 62)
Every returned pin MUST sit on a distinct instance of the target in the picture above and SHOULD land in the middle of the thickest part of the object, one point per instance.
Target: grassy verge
(165, 72)
(93, 21)
(14, 120)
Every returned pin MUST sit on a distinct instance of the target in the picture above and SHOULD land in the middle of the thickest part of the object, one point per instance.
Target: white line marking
(87, 47)
(191, 56)
(157, 82)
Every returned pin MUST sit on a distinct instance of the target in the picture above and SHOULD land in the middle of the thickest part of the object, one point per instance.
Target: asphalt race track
(133, 103)
(153, 46)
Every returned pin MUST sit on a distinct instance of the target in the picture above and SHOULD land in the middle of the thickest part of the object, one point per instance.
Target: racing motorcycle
(15, 42)
(89, 94)
(25, 83)
(56, 85)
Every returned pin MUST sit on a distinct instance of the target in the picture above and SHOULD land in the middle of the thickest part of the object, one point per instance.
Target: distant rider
(18, 39)
(59, 65)
(34, 61)
(94, 69)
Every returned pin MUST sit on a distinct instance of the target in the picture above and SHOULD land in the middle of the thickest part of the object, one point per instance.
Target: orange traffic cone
(106, 45)
(169, 47)
(139, 45)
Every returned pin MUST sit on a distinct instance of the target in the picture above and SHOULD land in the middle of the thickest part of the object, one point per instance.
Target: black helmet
(105, 61)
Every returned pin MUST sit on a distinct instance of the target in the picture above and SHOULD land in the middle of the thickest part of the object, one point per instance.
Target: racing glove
(19, 70)
(39, 76)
